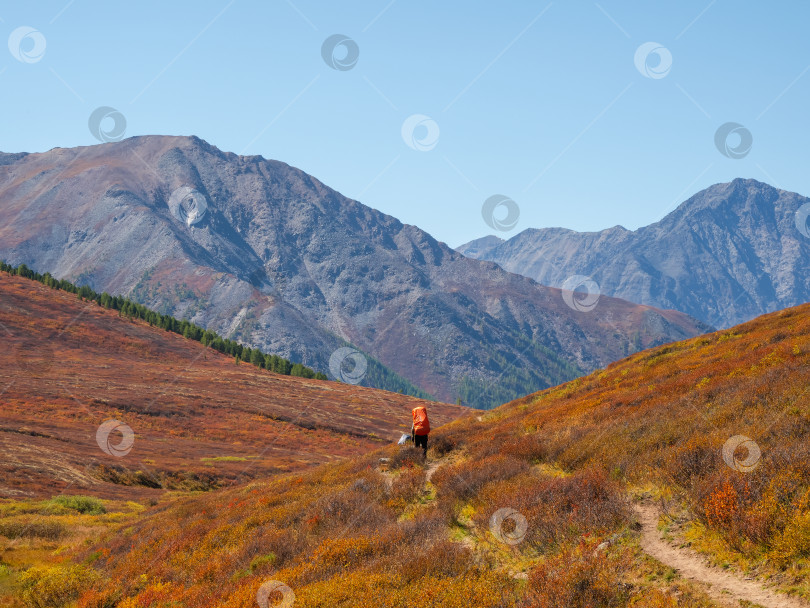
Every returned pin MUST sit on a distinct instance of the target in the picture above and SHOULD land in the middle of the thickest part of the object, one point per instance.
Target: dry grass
(563, 460)
(200, 422)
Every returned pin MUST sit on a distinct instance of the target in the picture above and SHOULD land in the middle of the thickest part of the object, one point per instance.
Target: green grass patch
(262, 560)
(86, 505)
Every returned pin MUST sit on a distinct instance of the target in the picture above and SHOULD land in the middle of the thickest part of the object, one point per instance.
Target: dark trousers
(421, 441)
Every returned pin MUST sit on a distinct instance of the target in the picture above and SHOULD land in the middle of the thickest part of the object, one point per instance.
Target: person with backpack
(420, 428)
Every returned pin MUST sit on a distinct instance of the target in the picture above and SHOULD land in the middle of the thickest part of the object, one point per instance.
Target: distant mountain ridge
(261, 252)
(726, 255)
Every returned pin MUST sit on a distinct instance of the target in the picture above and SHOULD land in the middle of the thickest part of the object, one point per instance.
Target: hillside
(728, 254)
(539, 503)
(263, 253)
(198, 419)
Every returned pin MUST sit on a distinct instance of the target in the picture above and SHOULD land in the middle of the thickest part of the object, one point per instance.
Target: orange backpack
(421, 425)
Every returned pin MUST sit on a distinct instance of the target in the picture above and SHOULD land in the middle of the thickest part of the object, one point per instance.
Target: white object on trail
(404, 439)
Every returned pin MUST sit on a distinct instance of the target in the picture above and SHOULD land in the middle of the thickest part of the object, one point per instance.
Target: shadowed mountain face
(726, 255)
(264, 253)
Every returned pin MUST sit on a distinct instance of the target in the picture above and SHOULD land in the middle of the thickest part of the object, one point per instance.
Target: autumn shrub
(190, 481)
(692, 460)
(407, 456)
(441, 444)
(356, 506)
(370, 482)
(384, 589)
(735, 505)
(96, 598)
(436, 557)
(761, 509)
(270, 546)
(788, 493)
(794, 541)
(55, 586)
(406, 487)
(531, 447)
(722, 507)
(420, 547)
(580, 577)
(156, 595)
(342, 553)
(48, 530)
(419, 532)
(557, 510)
(121, 475)
(465, 480)
(493, 441)
(287, 546)
(790, 480)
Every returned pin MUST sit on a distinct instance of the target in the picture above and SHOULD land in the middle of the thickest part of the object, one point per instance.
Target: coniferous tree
(131, 310)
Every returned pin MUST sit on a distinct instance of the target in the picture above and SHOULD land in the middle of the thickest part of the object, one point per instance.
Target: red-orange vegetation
(199, 420)
(561, 460)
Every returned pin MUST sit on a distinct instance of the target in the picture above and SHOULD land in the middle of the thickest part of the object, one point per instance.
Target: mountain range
(264, 253)
(726, 255)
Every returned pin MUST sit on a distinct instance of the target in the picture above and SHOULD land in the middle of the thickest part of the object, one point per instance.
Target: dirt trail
(431, 469)
(726, 588)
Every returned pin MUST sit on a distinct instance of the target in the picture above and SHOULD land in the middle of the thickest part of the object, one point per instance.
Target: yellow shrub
(55, 586)
(794, 541)
(155, 595)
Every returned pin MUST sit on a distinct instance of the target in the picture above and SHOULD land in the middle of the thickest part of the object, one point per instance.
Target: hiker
(420, 428)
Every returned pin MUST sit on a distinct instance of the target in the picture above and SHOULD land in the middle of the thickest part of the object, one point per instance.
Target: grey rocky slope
(728, 254)
(282, 262)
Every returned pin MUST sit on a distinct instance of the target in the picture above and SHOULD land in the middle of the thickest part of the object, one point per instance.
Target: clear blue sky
(541, 102)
